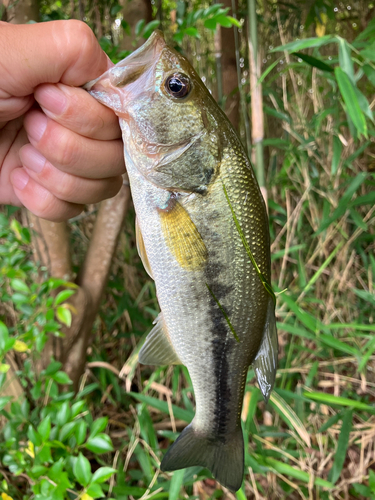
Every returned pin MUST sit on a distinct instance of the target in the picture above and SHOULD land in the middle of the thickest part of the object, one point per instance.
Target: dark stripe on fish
(221, 346)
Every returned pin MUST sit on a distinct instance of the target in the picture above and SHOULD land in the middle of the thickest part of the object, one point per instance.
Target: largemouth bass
(181, 152)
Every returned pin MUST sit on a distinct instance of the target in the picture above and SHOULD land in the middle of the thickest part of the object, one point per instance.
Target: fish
(187, 171)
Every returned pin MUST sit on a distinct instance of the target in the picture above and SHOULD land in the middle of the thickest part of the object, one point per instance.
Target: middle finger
(73, 153)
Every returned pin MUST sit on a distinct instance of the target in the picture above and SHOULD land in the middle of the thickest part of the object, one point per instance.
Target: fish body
(180, 152)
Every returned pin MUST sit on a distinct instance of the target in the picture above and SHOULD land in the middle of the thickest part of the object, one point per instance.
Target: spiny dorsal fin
(158, 349)
(265, 363)
(141, 248)
(182, 237)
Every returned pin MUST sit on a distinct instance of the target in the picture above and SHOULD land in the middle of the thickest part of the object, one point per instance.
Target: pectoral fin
(158, 349)
(265, 363)
(141, 249)
(182, 237)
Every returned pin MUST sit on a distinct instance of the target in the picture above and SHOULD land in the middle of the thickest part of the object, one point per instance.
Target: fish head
(168, 118)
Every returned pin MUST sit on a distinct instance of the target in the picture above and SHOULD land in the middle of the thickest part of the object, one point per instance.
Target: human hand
(68, 152)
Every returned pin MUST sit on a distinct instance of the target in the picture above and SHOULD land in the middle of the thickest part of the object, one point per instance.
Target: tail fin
(224, 459)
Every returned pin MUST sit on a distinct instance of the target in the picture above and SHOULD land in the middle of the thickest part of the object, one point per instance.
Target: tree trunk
(21, 12)
(133, 11)
(51, 243)
(229, 72)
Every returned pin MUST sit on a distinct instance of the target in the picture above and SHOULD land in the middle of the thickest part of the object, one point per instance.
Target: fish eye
(178, 85)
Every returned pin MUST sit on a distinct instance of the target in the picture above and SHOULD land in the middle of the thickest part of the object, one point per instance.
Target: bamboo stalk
(240, 89)
(257, 120)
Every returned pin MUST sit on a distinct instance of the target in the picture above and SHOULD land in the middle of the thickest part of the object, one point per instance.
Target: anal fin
(142, 249)
(158, 349)
(265, 363)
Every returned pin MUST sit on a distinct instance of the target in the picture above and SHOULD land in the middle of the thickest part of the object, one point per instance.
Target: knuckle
(79, 30)
(64, 187)
(46, 206)
(68, 153)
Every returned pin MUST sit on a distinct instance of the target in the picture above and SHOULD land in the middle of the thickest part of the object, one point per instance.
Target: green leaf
(234, 21)
(63, 296)
(52, 368)
(369, 72)
(329, 399)
(349, 96)
(371, 480)
(150, 27)
(98, 426)
(191, 31)
(62, 378)
(94, 491)
(64, 316)
(80, 432)
(44, 428)
(345, 61)
(313, 61)
(342, 446)
(103, 474)
(19, 286)
(331, 421)
(34, 436)
(115, 10)
(99, 444)
(16, 228)
(288, 470)
(139, 27)
(223, 21)
(82, 470)
(19, 298)
(358, 219)
(4, 335)
(338, 345)
(336, 157)
(344, 201)
(289, 416)
(4, 368)
(210, 24)
(66, 431)
(305, 43)
(64, 413)
(4, 400)
(179, 413)
(268, 70)
(176, 483)
(369, 352)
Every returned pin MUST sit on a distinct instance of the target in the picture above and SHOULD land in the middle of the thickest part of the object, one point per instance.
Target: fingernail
(19, 178)
(32, 159)
(39, 126)
(52, 99)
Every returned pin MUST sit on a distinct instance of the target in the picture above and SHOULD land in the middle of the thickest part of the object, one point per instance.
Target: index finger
(55, 51)
(75, 109)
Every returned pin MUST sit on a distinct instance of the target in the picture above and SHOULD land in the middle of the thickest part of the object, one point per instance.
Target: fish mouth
(140, 62)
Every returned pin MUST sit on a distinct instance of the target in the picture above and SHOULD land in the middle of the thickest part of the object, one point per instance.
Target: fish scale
(180, 152)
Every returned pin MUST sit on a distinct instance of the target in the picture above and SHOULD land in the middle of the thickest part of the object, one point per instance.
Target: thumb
(56, 51)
